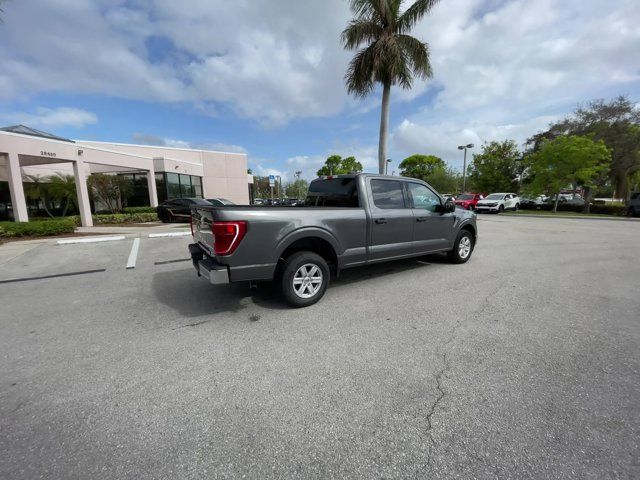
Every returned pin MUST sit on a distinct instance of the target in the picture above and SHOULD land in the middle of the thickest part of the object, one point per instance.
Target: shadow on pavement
(191, 296)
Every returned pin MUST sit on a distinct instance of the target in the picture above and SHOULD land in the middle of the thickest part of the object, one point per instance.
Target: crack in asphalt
(446, 365)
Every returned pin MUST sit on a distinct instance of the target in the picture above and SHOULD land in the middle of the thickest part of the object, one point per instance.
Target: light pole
(297, 175)
(386, 166)
(464, 168)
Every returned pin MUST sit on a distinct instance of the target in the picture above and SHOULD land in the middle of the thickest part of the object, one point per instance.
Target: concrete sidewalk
(134, 230)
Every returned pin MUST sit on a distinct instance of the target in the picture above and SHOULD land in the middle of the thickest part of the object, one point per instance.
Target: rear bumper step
(207, 267)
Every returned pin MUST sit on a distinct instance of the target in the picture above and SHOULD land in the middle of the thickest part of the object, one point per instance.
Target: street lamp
(297, 175)
(386, 166)
(464, 168)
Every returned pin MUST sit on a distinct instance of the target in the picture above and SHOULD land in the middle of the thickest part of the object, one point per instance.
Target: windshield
(465, 197)
(495, 196)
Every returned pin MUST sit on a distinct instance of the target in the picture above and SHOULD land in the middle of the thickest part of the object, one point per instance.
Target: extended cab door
(432, 229)
(391, 228)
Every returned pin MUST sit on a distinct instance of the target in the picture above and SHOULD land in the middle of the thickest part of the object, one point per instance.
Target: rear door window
(333, 192)
(387, 194)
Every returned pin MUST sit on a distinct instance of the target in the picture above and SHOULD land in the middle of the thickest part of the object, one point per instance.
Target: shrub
(139, 210)
(37, 228)
(609, 209)
(125, 218)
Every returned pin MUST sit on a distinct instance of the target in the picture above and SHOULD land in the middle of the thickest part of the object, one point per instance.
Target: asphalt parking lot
(522, 363)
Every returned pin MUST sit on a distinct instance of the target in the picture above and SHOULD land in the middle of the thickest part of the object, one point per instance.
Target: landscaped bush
(609, 209)
(139, 210)
(125, 218)
(37, 228)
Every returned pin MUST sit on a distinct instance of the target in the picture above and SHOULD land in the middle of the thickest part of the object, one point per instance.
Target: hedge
(606, 209)
(125, 218)
(139, 210)
(37, 228)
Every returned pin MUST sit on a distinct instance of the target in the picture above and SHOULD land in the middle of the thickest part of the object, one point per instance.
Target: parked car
(634, 205)
(533, 201)
(568, 199)
(448, 196)
(347, 221)
(219, 202)
(498, 202)
(178, 209)
(468, 201)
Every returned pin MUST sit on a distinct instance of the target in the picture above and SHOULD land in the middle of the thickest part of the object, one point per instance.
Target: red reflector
(227, 236)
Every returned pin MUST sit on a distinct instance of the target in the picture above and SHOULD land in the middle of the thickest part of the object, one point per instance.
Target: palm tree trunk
(384, 127)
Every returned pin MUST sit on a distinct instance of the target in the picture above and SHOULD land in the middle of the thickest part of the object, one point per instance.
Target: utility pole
(464, 168)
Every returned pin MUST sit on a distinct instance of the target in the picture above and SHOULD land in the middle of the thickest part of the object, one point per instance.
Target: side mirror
(449, 207)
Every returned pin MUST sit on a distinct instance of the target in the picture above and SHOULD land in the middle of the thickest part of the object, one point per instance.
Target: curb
(612, 218)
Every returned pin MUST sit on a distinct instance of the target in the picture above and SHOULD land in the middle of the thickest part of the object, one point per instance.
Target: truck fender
(307, 232)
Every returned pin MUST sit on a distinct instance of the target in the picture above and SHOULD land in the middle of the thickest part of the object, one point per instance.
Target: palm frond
(360, 31)
(360, 73)
(417, 54)
(413, 14)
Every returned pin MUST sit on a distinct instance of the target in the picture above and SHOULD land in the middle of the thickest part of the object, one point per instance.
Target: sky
(265, 77)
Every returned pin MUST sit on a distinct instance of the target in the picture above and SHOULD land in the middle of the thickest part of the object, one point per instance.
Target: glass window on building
(196, 183)
(185, 186)
(173, 185)
(161, 187)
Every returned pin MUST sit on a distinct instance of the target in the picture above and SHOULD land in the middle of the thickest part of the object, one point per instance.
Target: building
(159, 172)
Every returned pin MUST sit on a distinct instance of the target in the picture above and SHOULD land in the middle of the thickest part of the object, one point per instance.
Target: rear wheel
(517, 207)
(631, 212)
(462, 248)
(304, 279)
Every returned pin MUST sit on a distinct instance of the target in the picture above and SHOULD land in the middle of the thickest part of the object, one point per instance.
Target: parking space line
(14, 280)
(165, 262)
(169, 234)
(131, 262)
(90, 240)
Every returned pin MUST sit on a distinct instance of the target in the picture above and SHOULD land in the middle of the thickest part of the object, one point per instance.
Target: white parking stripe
(90, 240)
(131, 263)
(169, 234)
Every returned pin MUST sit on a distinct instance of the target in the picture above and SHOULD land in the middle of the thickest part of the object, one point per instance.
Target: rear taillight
(191, 223)
(227, 236)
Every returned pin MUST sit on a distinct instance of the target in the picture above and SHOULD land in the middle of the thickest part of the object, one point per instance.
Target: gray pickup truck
(347, 221)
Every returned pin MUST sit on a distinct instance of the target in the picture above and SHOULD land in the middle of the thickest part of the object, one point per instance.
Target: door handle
(421, 219)
(380, 221)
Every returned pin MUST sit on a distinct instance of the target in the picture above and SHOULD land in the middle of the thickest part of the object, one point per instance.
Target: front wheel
(501, 209)
(462, 248)
(305, 277)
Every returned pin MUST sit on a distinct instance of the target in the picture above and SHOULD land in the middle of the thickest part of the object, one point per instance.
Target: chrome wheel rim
(307, 280)
(464, 247)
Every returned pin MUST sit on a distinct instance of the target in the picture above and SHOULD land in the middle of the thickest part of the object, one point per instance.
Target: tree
(38, 189)
(63, 188)
(432, 170)
(390, 55)
(297, 189)
(566, 160)
(497, 168)
(617, 123)
(336, 165)
(109, 189)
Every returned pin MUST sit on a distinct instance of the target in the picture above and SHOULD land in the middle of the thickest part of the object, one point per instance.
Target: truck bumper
(207, 267)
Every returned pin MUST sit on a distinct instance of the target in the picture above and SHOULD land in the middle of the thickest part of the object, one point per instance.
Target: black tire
(501, 209)
(631, 212)
(457, 254)
(164, 216)
(291, 267)
(517, 207)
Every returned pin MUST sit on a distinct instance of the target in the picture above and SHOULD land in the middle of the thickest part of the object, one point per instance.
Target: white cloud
(148, 139)
(52, 118)
(501, 67)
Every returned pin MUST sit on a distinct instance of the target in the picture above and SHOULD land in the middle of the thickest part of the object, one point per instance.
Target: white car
(499, 202)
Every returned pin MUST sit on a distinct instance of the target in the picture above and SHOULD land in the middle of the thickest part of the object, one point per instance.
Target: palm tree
(390, 57)
(38, 188)
(63, 188)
